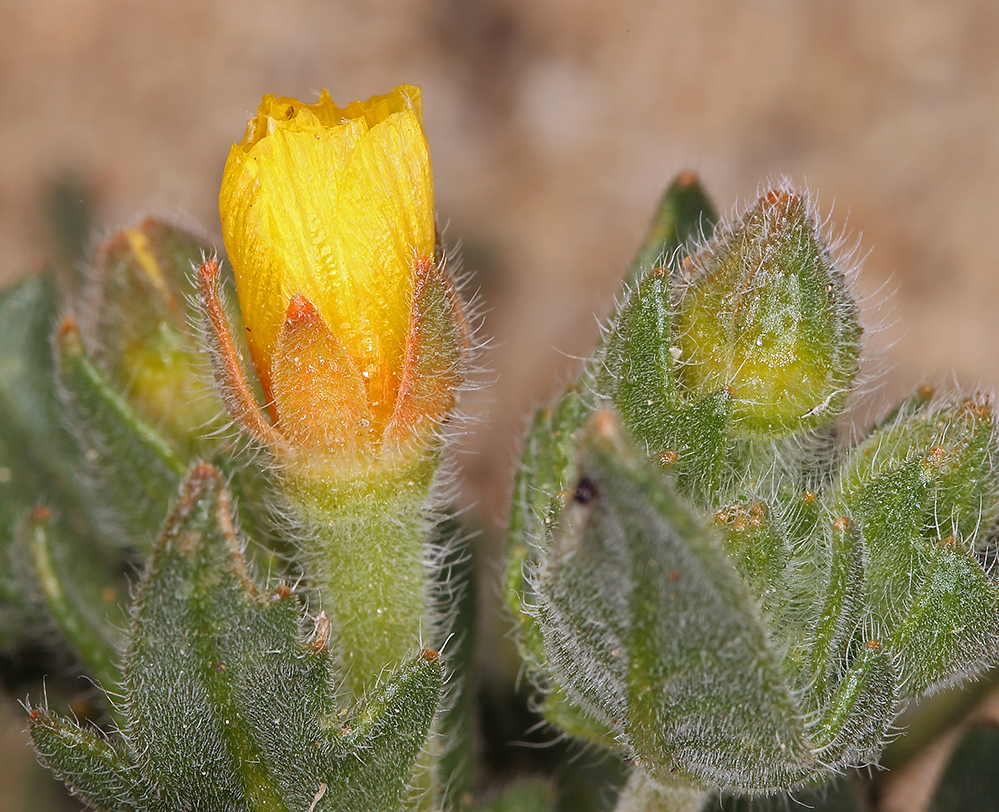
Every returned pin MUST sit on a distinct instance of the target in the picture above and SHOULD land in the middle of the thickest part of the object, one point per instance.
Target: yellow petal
(279, 205)
(386, 226)
(334, 205)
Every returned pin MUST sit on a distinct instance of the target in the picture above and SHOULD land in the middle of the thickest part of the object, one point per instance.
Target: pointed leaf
(68, 575)
(767, 314)
(230, 707)
(649, 628)
(636, 371)
(96, 770)
(684, 213)
(539, 490)
(925, 493)
(135, 471)
(386, 737)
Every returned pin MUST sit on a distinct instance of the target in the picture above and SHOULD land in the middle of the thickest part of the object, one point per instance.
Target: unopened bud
(767, 314)
(136, 315)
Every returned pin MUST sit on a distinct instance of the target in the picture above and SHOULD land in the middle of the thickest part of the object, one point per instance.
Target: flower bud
(766, 314)
(136, 315)
(925, 492)
(351, 321)
(359, 342)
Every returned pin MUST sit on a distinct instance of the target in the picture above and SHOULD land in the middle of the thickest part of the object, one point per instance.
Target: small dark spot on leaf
(585, 492)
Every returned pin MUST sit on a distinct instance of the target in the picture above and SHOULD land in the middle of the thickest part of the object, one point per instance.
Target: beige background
(553, 128)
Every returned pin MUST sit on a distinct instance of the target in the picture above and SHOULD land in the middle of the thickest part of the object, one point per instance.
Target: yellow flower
(328, 220)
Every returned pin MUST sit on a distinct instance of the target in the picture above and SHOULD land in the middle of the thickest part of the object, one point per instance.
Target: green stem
(364, 541)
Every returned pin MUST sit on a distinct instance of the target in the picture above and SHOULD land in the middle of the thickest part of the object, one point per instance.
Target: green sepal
(925, 493)
(136, 314)
(695, 447)
(631, 566)
(684, 214)
(970, 780)
(636, 369)
(635, 373)
(539, 494)
(950, 633)
(434, 367)
(134, 469)
(766, 313)
(228, 705)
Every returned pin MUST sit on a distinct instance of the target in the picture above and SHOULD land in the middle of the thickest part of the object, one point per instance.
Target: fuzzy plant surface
(223, 500)
(255, 565)
(227, 704)
(711, 577)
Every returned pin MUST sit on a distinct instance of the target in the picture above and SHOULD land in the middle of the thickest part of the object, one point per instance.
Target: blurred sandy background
(553, 128)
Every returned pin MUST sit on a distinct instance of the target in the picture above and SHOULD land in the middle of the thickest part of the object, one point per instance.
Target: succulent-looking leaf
(93, 767)
(51, 568)
(539, 490)
(636, 371)
(133, 468)
(650, 630)
(924, 490)
(67, 576)
(32, 443)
